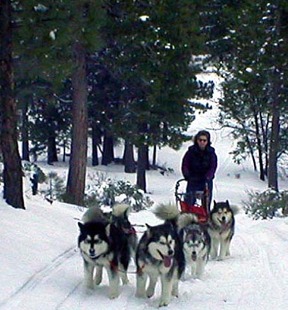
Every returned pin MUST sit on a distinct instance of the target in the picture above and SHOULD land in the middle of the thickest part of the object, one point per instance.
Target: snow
(41, 267)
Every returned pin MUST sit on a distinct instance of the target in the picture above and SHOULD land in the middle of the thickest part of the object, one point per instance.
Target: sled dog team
(164, 251)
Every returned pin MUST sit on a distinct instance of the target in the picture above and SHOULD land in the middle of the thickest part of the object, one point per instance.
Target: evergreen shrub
(266, 204)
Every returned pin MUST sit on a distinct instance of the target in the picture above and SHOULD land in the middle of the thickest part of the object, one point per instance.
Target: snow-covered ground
(41, 267)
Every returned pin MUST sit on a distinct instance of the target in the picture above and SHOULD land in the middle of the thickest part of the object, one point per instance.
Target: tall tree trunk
(96, 141)
(52, 150)
(12, 173)
(64, 151)
(108, 149)
(251, 150)
(264, 130)
(129, 162)
(141, 167)
(77, 166)
(273, 150)
(24, 130)
(147, 157)
(276, 84)
(259, 147)
(154, 155)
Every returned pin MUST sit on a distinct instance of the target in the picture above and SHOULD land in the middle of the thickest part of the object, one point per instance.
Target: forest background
(129, 72)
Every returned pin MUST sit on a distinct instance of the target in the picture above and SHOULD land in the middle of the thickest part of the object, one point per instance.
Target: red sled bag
(199, 211)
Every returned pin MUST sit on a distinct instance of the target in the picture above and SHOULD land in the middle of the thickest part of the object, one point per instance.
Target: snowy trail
(33, 288)
(227, 284)
(43, 270)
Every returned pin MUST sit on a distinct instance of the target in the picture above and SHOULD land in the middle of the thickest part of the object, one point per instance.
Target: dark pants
(34, 181)
(194, 186)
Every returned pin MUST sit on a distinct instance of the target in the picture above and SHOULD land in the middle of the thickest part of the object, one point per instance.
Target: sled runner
(200, 208)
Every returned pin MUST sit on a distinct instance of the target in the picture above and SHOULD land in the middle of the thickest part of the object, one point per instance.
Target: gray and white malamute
(159, 255)
(194, 236)
(196, 243)
(221, 229)
(103, 245)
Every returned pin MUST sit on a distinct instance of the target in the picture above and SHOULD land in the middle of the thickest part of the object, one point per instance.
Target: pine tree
(151, 44)
(254, 68)
(12, 173)
(64, 32)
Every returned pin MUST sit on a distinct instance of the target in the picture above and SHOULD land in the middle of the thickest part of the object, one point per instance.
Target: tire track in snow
(268, 284)
(60, 304)
(31, 284)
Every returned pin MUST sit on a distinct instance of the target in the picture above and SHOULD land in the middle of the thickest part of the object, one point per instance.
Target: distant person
(199, 165)
(34, 178)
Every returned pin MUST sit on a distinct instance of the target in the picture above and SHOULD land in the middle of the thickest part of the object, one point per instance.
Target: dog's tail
(166, 211)
(120, 209)
(186, 219)
(93, 214)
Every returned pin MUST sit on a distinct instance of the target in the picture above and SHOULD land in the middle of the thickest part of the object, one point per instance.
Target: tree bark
(52, 150)
(24, 131)
(12, 173)
(96, 141)
(154, 155)
(108, 149)
(78, 160)
(129, 162)
(141, 167)
(259, 147)
(273, 150)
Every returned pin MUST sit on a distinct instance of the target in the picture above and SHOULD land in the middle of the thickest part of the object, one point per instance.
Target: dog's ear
(81, 226)
(148, 230)
(126, 213)
(214, 201)
(107, 229)
(227, 203)
(183, 232)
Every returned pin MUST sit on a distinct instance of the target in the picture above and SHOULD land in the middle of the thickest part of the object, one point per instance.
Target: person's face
(202, 142)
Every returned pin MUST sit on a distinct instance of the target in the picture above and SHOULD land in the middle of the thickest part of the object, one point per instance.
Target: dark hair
(202, 133)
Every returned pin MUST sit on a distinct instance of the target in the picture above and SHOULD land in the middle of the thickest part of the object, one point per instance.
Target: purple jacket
(198, 164)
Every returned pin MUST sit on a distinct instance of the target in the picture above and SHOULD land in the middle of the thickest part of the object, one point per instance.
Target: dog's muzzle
(92, 253)
(194, 256)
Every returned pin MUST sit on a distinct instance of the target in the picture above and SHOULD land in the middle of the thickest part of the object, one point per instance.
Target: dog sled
(200, 208)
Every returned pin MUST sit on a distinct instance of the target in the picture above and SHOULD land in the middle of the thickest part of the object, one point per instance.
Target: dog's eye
(98, 241)
(86, 241)
(162, 242)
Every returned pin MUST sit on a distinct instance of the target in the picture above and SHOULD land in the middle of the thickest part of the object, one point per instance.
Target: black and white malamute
(120, 218)
(194, 236)
(103, 245)
(159, 255)
(221, 229)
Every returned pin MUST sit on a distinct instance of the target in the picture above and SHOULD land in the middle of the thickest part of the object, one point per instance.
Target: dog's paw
(98, 282)
(220, 258)
(113, 295)
(149, 294)
(163, 303)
